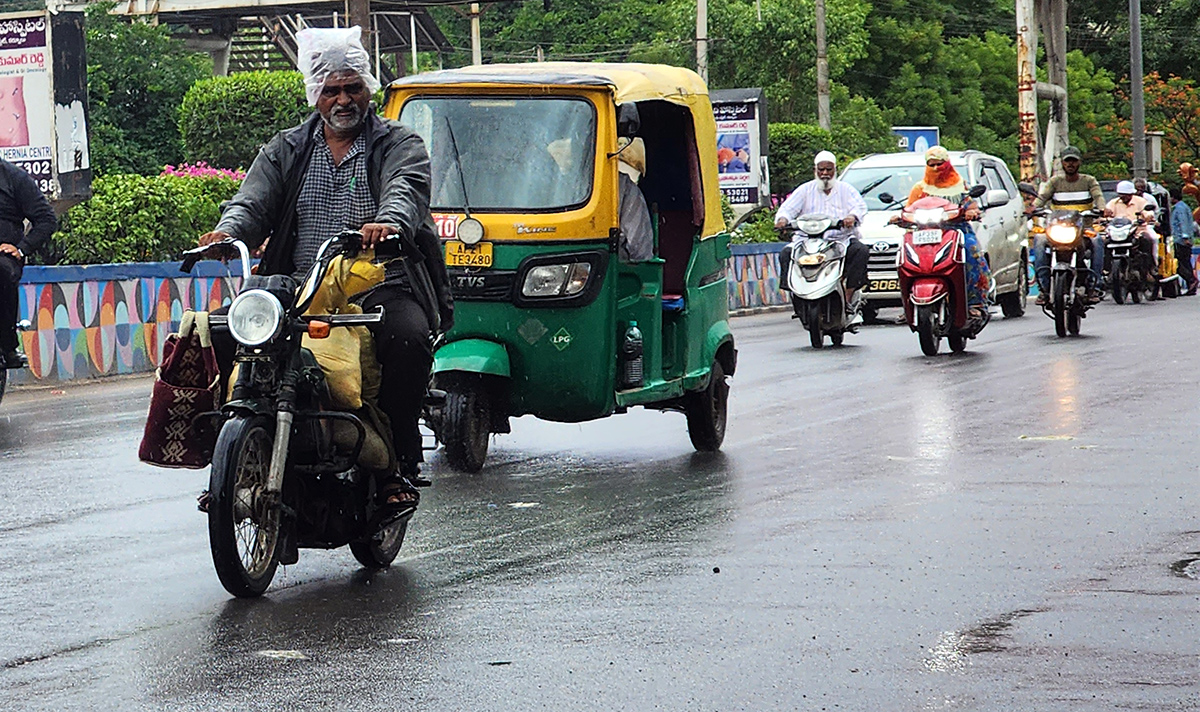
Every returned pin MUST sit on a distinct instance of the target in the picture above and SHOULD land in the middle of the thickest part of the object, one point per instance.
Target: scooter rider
(344, 167)
(1069, 190)
(1128, 204)
(827, 195)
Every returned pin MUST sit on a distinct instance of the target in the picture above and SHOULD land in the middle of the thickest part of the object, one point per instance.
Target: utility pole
(823, 119)
(1027, 120)
(358, 12)
(476, 51)
(702, 39)
(1136, 89)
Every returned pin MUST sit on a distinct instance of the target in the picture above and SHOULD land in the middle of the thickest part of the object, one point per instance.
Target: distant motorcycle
(933, 275)
(1130, 270)
(22, 325)
(1070, 274)
(285, 470)
(816, 279)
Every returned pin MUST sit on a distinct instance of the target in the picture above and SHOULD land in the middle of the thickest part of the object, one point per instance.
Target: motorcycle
(22, 325)
(931, 264)
(1067, 243)
(815, 279)
(1129, 268)
(286, 470)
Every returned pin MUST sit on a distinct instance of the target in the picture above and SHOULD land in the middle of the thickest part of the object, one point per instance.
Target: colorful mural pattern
(754, 276)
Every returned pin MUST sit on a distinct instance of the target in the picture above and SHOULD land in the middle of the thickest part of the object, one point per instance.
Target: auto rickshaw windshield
(510, 154)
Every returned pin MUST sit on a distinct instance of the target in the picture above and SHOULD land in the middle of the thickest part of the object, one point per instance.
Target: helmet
(1125, 187)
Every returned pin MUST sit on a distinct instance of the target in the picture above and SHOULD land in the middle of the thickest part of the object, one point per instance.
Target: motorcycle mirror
(977, 190)
(628, 120)
(1028, 189)
(887, 198)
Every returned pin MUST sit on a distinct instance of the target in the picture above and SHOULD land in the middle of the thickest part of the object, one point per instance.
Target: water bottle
(631, 357)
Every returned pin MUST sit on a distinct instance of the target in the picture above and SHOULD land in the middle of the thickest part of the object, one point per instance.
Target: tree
(137, 77)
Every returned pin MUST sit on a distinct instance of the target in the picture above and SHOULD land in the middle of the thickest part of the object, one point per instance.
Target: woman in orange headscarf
(943, 181)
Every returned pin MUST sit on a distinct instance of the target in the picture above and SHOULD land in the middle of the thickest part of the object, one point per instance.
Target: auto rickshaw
(549, 321)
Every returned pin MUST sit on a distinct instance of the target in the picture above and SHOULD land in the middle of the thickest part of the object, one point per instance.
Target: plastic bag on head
(321, 51)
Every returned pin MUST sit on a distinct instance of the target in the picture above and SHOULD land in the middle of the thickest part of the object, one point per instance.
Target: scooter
(1070, 273)
(816, 279)
(931, 264)
(1129, 268)
(22, 325)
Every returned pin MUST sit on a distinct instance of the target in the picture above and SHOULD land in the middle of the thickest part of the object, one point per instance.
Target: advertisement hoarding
(742, 145)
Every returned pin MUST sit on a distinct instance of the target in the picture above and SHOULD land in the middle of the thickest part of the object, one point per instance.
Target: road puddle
(954, 647)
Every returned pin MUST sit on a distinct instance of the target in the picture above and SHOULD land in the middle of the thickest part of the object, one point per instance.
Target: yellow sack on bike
(347, 355)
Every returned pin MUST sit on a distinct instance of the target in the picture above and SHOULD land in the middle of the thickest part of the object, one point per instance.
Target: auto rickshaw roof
(630, 82)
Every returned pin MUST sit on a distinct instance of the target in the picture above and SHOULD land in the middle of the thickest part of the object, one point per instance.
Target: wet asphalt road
(1011, 529)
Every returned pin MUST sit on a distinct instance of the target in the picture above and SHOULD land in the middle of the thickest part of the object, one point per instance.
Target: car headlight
(928, 216)
(1061, 234)
(255, 317)
(556, 280)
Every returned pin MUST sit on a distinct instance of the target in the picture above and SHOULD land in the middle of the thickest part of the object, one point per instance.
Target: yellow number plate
(459, 254)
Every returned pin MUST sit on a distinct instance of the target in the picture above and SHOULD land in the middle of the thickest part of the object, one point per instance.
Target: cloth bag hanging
(186, 386)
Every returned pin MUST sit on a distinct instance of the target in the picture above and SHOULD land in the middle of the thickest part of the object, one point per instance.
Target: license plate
(927, 237)
(459, 254)
(883, 285)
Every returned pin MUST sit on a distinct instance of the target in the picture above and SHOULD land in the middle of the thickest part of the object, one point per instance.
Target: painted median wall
(104, 320)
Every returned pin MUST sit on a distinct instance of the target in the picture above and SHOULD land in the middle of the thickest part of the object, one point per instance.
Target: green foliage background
(224, 120)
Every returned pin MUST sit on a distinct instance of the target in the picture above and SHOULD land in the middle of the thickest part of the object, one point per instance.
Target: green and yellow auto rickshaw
(549, 319)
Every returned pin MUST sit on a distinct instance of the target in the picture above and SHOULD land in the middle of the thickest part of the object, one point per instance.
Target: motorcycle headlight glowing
(928, 216)
(255, 317)
(813, 226)
(556, 280)
(1061, 234)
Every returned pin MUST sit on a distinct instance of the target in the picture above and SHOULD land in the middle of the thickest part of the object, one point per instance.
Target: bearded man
(346, 169)
(826, 195)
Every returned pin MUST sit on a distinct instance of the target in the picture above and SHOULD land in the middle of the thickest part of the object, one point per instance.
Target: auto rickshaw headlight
(556, 280)
(255, 317)
(470, 231)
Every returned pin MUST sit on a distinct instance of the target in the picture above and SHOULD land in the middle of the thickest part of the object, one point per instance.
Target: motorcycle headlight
(255, 317)
(814, 226)
(556, 280)
(928, 216)
(1061, 234)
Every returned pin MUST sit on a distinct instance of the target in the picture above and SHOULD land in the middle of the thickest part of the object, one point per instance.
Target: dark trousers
(10, 276)
(405, 355)
(1183, 253)
(857, 256)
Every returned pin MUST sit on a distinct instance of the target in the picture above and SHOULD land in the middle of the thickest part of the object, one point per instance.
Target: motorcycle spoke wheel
(243, 520)
(1060, 305)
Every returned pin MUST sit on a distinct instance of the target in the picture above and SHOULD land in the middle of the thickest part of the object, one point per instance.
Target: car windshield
(510, 154)
(873, 181)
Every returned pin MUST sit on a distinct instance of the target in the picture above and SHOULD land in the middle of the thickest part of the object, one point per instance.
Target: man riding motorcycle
(1128, 204)
(827, 195)
(1069, 190)
(345, 168)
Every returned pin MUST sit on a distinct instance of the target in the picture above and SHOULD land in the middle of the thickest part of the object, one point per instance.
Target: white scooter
(22, 325)
(815, 279)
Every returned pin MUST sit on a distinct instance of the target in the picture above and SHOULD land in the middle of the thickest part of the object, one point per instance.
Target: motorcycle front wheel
(380, 551)
(1060, 304)
(1118, 273)
(927, 331)
(243, 522)
(815, 336)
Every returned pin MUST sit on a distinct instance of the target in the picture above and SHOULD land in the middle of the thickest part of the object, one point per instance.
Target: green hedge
(793, 147)
(133, 218)
(224, 120)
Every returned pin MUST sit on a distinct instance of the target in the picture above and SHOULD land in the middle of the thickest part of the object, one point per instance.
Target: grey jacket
(398, 171)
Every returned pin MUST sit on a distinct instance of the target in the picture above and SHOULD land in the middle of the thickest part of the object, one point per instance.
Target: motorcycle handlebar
(220, 250)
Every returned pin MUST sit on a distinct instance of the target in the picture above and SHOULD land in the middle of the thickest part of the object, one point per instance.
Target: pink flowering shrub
(201, 169)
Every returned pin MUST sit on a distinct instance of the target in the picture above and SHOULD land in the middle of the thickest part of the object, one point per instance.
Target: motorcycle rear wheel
(1060, 304)
(958, 343)
(243, 523)
(927, 331)
(380, 551)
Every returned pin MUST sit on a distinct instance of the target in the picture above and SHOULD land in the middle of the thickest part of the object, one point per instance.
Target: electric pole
(358, 12)
(702, 39)
(823, 119)
(476, 50)
(1136, 89)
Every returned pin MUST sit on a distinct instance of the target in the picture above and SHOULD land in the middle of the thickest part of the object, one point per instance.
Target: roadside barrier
(104, 320)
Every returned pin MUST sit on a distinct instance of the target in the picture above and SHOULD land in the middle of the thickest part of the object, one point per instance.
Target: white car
(884, 179)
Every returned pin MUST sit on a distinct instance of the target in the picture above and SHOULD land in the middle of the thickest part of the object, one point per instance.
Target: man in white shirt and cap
(345, 168)
(826, 195)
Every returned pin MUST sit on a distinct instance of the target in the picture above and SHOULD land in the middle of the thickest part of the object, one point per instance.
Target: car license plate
(883, 285)
(927, 237)
(459, 254)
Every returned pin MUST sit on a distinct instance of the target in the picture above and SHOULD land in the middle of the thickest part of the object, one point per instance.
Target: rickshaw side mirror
(628, 120)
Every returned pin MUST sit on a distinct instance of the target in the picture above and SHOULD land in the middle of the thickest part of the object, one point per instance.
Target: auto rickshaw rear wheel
(465, 425)
(707, 410)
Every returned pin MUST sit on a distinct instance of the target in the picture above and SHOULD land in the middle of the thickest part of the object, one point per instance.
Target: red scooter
(932, 267)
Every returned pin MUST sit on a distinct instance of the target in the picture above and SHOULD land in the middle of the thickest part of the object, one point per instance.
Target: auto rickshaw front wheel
(465, 425)
(707, 410)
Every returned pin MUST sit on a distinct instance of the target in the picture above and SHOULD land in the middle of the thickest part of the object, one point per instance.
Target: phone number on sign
(41, 173)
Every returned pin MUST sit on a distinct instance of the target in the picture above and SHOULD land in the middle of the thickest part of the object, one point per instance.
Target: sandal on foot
(397, 494)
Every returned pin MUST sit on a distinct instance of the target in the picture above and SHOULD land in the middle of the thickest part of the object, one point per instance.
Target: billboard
(917, 139)
(742, 171)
